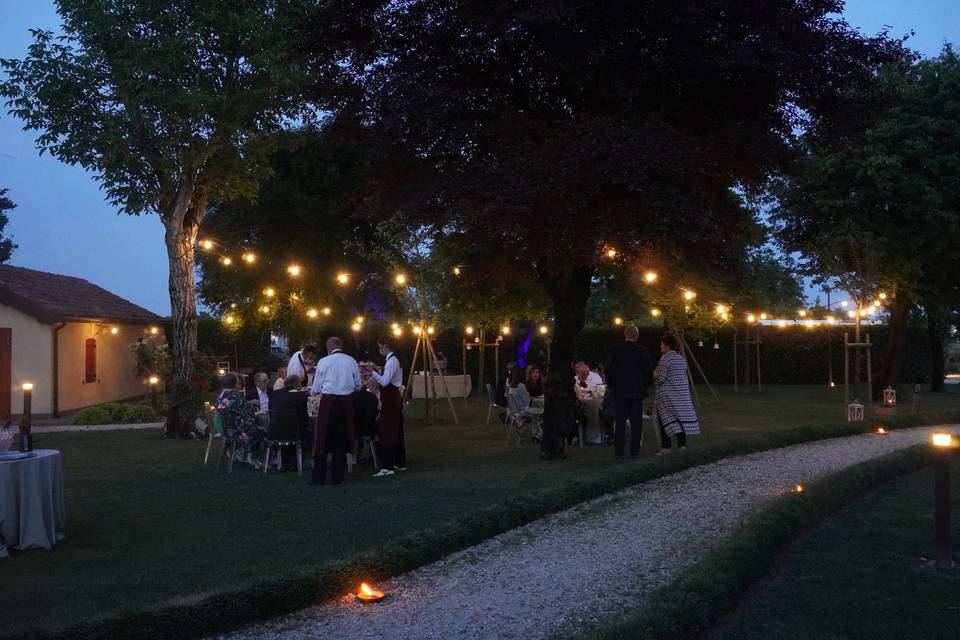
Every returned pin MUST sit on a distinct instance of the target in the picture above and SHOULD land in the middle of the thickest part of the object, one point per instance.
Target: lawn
(149, 526)
(863, 574)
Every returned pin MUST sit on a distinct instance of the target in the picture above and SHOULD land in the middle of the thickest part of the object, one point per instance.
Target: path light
(343, 278)
(942, 444)
(650, 277)
(368, 593)
(294, 270)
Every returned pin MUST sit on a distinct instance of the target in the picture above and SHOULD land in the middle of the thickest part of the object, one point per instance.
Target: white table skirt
(32, 513)
(459, 386)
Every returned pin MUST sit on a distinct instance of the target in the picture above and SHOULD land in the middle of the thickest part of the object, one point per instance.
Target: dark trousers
(336, 441)
(665, 439)
(632, 409)
(393, 455)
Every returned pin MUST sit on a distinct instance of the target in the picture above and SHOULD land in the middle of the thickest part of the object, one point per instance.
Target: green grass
(149, 528)
(863, 574)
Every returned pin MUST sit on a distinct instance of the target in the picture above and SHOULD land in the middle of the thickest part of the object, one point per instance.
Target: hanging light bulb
(226, 261)
(207, 245)
(655, 312)
(416, 329)
(343, 278)
(355, 327)
(650, 277)
(326, 311)
(751, 318)
(468, 330)
(397, 331)
(430, 331)
(394, 326)
(312, 313)
(505, 329)
(294, 270)
(689, 295)
(249, 258)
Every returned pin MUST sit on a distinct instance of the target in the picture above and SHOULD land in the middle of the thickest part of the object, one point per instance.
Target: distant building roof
(50, 297)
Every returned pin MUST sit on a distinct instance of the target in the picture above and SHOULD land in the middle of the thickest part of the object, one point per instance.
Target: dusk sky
(63, 224)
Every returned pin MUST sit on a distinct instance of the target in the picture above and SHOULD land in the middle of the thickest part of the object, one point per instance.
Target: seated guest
(259, 394)
(238, 419)
(288, 417)
(517, 377)
(586, 381)
(534, 381)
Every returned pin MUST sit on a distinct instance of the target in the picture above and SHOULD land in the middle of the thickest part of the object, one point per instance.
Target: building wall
(31, 360)
(116, 364)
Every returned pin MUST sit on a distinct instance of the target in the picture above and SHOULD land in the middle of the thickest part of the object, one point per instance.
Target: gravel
(588, 565)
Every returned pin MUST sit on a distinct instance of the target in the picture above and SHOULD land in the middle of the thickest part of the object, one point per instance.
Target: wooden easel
(481, 345)
(687, 353)
(746, 343)
(847, 348)
(430, 364)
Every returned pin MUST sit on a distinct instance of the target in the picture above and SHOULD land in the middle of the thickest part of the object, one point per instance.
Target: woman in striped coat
(675, 411)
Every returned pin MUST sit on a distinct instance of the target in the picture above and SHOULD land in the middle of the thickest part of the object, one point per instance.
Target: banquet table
(32, 513)
(459, 386)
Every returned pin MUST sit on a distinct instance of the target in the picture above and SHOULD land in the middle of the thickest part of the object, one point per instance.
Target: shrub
(116, 410)
(92, 415)
(139, 413)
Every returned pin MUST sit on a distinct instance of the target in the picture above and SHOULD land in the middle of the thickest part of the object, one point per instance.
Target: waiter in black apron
(390, 445)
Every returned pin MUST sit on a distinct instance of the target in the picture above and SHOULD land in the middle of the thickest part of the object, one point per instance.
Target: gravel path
(582, 566)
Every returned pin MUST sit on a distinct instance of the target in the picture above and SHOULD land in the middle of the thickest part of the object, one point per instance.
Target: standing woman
(393, 453)
(675, 411)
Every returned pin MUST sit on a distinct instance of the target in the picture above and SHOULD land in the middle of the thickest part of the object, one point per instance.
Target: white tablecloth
(434, 385)
(32, 513)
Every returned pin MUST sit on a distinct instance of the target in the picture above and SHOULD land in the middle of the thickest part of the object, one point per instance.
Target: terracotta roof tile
(51, 297)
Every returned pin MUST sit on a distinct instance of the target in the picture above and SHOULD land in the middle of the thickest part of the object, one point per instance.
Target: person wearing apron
(390, 445)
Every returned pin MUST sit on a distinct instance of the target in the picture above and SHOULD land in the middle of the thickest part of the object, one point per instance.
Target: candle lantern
(889, 397)
(855, 411)
(368, 593)
(26, 438)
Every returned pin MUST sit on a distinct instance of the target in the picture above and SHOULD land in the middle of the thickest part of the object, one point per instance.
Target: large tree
(880, 208)
(6, 244)
(559, 130)
(170, 105)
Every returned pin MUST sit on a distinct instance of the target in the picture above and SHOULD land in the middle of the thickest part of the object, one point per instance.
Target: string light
(265, 309)
(650, 277)
(400, 279)
(430, 331)
(689, 295)
(544, 330)
(831, 320)
(207, 244)
(233, 305)
(655, 313)
(394, 326)
(326, 311)
(312, 313)
(802, 313)
(249, 258)
(343, 278)
(883, 296)
(611, 253)
(782, 324)
(468, 330)
(397, 331)
(751, 318)
(355, 327)
(114, 330)
(456, 271)
(618, 321)
(228, 319)
(721, 309)
(416, 330)
(763, 316)
(269, 292)
(226, 261)
(505, 329)
(358, 320)
(294, 270)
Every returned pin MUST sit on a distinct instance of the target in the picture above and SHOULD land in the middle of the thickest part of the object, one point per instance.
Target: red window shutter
(91, 360)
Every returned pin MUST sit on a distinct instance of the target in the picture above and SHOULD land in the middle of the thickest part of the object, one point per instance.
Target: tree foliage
(6, 244)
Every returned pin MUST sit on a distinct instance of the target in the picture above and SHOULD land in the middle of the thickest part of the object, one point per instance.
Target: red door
(6, 383)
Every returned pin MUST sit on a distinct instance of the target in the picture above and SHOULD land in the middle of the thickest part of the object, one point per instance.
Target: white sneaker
(383, 473)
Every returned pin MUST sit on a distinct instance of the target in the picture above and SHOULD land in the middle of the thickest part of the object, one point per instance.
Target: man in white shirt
(586, 381)
(336, 379)
(301, 364)
(390, 425)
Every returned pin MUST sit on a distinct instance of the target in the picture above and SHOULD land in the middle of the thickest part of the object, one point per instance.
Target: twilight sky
(63, 224)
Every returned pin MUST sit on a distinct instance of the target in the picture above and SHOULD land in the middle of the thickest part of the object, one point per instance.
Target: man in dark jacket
(628, 378)
(260, 392)
(288, 417)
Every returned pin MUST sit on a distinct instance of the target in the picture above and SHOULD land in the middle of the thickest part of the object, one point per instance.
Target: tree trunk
(935, 333)
(569, 290)
(899, 312)
(181, 235)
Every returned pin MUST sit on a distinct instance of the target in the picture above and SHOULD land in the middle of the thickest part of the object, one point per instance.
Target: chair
(284, 431)
(492, 397)
(519, 412)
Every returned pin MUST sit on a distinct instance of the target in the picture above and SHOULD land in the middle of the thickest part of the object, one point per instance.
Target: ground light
(942, 444)
(366, 593)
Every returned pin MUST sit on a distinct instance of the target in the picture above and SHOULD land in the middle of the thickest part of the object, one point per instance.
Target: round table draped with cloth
(32, 513)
